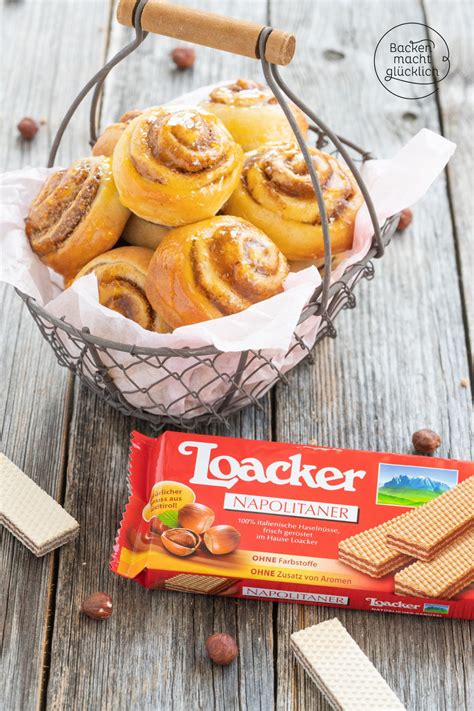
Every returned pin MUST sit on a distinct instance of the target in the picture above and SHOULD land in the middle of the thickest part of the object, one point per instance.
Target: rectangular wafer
(428, 529)
(368, 552)
(340, 669)
(207, 584)
(30, 514)
(444, 576)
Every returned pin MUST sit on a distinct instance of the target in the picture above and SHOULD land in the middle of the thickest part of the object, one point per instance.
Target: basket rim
(85, 335)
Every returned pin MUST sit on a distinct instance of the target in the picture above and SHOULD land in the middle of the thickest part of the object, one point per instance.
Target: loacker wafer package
(299, 523)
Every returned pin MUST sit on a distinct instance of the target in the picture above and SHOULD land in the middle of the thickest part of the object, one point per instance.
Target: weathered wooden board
(399, 357)
(44, 44)
(456, 105)
(151, 651)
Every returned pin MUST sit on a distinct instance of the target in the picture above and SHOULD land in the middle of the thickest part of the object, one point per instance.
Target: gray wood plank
(399, 357)
(456, 104)
(150, 653)
(35, 395)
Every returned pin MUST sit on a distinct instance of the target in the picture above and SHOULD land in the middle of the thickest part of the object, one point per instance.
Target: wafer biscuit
(187, 582)
(30, 514)
(444, 576)
(340, 669)
(368, 552)
(428, 529)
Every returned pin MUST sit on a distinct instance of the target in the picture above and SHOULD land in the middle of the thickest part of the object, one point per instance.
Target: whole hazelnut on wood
(28, 128)
(196, 517)
(183, 57)
(220, 540)
(406, 216)
(180, 541)
(97, 606)
(221, 648)
(426, 441)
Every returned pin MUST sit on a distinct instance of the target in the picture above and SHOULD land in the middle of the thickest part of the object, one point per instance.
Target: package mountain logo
(411, 59)
(435, 608)
(400, 485)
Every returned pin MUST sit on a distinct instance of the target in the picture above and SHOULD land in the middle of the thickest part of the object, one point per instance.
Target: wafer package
(299, 523)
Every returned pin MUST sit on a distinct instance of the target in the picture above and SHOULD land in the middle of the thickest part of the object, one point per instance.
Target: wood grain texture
(151, 652)
(37, 64)
(399, 357)
(456, 105)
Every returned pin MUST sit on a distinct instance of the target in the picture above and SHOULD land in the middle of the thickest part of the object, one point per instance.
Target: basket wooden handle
(209, 29)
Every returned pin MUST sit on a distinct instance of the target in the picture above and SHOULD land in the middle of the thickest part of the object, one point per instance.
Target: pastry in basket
(76, 216)
(252, 114)
(213, 268)
(105, 144)
(121, 275)
(176, 165)
(276, 194)
(143, 233)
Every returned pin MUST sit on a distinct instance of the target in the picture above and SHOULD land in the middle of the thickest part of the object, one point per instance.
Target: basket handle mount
(207, 28)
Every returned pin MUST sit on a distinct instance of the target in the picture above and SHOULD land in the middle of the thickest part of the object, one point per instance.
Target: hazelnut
(157, 526)
(28, 128)
(221, 648)
(183, 57)
(97, 606)
(196, 517)
(180, 541)
(406, 216)
(220, 540)
(426, 441)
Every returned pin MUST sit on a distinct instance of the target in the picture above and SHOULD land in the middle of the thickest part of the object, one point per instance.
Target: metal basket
(227, 381)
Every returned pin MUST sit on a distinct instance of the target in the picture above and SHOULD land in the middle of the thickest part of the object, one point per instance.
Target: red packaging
(275, 521)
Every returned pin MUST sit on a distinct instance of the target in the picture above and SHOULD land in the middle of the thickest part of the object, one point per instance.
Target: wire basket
(204, 385)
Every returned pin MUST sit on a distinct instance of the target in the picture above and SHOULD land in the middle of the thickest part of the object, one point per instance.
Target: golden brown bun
(121, 275)
(252, 114)
(276, 194)
(76, 216)
(176, 165)
(213, 268)
(107, 141)
(142, 233)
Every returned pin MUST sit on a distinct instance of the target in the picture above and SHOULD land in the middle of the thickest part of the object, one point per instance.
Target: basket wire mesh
(209, 385)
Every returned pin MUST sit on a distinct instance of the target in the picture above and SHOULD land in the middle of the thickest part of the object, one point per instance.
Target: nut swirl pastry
(76, 216)
(213, 268)
(176, 165)
(121, 275)
(252, 114)
(105, 144)
(276, 194)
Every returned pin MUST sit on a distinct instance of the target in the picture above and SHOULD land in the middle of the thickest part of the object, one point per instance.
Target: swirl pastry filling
(64, 201)
(243, 92)
(276, 194)
(176, 165)
(121, 275)
(252, 114)
(214, 268)
(76, 216)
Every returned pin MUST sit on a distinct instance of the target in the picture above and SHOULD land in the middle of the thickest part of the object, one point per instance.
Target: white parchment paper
(269, 326)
